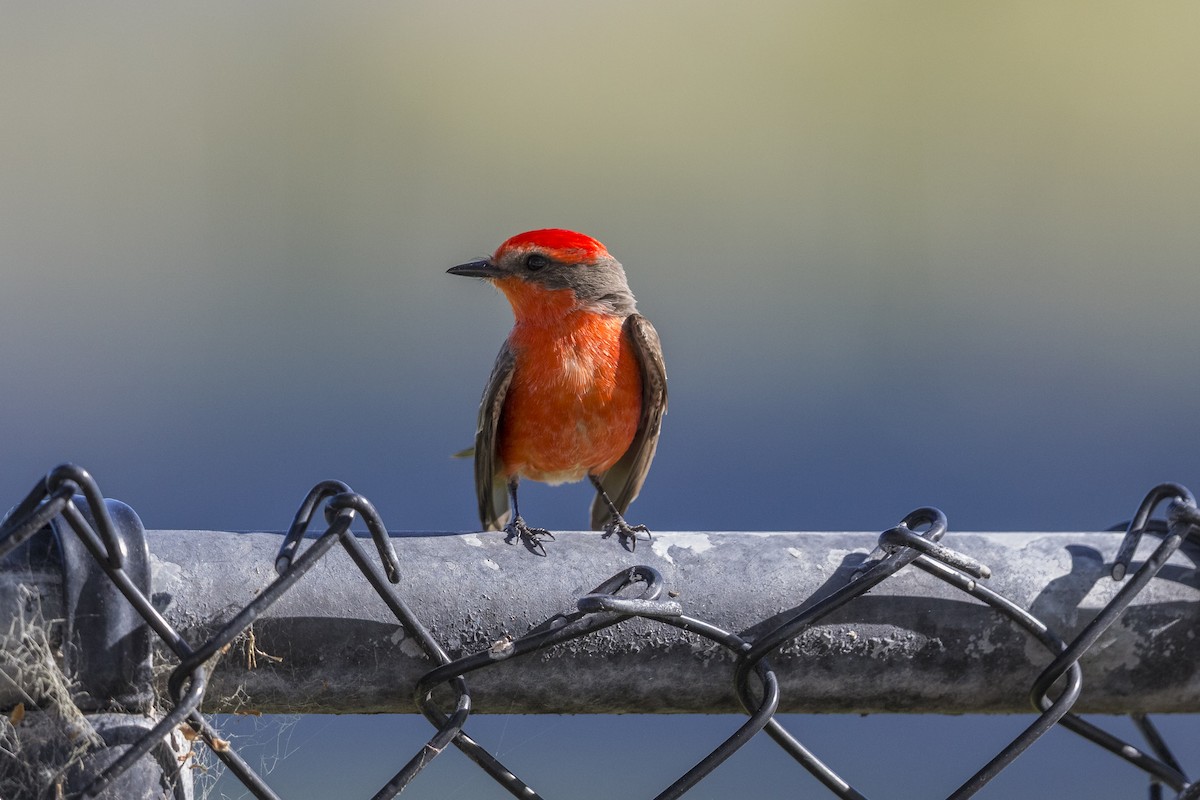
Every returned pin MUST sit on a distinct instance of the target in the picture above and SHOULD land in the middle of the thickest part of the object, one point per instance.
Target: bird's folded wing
(624, 480)
(490, 487)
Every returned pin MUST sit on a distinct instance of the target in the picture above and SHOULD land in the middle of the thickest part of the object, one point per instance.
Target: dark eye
(535, 261)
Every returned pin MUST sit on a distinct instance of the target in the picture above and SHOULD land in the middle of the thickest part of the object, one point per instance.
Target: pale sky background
(899, 254)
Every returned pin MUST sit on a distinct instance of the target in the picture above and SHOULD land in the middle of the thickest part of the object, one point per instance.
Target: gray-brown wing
(490, 487)
(624, 480)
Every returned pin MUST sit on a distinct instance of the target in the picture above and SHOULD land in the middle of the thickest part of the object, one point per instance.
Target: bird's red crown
(562, 244)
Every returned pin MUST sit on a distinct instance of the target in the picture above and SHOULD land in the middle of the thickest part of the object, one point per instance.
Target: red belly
(574, 402)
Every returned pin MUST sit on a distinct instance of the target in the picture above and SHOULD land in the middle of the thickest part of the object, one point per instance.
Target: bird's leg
(517, 529)
(626, 533)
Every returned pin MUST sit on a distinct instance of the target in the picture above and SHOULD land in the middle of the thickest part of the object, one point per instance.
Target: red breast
(576, 393)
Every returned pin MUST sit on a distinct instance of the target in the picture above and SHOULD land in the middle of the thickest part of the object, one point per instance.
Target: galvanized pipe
(913, 644)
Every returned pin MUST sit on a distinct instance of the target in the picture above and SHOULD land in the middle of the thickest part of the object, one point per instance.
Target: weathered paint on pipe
(913, 644)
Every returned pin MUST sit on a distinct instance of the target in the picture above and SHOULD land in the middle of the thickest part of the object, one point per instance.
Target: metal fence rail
(760, 623)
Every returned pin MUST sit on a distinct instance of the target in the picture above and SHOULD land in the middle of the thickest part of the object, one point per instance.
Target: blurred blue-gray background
(898, 253)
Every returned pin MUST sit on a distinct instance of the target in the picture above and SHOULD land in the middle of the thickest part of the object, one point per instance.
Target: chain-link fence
(105, 731)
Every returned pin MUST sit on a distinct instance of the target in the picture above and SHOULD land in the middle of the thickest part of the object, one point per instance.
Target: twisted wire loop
(1182, 524)
(67, 485)
(636, 592)
(901, 546)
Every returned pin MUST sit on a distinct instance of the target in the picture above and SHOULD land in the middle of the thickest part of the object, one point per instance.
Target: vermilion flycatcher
(579, 387)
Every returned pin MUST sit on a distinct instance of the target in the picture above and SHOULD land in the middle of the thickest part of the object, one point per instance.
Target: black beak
(480, 268)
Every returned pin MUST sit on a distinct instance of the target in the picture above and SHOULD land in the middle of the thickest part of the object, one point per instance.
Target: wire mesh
(68, 496)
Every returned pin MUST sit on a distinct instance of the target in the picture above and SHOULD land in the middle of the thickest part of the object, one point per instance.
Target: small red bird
(579, 388)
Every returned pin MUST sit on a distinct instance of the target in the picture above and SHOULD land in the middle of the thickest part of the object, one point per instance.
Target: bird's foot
(626, 534)
(530, 537)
